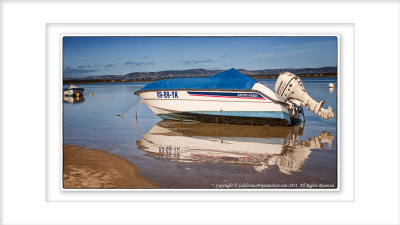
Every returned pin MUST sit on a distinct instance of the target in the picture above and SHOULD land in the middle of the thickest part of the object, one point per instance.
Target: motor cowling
(291, 88)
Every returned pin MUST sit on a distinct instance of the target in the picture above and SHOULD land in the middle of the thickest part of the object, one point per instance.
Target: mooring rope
(121, 115)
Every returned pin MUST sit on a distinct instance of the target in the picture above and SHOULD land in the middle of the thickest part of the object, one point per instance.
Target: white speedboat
(228, 97)
(73, 91)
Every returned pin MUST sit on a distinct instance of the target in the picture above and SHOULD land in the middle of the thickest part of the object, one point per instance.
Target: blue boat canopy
(229, 79)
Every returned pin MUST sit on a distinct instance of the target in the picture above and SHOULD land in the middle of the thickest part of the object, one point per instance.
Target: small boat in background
(73, 91)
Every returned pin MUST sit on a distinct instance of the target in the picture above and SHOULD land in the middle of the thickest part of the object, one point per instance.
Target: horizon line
(207, 69)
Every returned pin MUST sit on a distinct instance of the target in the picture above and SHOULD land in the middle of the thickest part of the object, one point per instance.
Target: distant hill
(144, 76)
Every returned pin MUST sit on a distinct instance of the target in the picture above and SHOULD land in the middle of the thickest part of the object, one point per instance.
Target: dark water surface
(196, 155)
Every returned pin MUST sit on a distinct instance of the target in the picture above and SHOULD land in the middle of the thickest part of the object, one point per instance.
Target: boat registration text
(167, 94)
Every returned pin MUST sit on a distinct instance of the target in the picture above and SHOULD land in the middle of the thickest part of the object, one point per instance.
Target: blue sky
(86, 56)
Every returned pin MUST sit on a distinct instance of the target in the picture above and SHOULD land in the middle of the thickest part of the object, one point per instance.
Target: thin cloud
(78, 71)
(266, 55)
(305, 45)
(304, 50)
(128, 63)
(138, 63)
(225, 55)
(108, 65)
(87, 66)
(74, 72)
(194, 62)
(295, 49)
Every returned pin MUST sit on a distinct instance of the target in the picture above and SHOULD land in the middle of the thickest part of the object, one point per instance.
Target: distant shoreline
(85, 81)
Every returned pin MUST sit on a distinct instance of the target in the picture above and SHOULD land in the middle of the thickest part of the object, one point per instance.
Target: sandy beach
(94, 168)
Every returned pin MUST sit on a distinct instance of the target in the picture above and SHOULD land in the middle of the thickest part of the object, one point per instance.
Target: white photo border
(55, 32)
(24, 199)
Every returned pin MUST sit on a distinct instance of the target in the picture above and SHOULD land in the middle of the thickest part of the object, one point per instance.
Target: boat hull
(229, 106)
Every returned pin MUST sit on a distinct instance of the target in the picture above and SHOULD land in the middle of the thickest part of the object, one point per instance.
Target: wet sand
(94, 168)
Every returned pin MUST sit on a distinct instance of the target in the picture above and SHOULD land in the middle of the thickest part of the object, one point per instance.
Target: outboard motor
(290, 87)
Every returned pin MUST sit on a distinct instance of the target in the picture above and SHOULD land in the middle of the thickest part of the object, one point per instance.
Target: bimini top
(229, 79)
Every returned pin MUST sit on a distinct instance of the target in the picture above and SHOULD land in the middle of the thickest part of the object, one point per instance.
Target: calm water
(193, 155)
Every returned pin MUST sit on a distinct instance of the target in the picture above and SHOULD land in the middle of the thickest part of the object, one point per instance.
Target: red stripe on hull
(226, 96)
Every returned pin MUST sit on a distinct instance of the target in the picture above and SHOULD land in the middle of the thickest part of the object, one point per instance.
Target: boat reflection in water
(75, 99)
(257, 146)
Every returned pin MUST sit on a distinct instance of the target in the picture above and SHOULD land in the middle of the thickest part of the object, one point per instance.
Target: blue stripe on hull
(250, 118)
(259, 114)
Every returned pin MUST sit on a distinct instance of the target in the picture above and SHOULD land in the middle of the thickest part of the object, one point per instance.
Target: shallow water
(193, 155)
